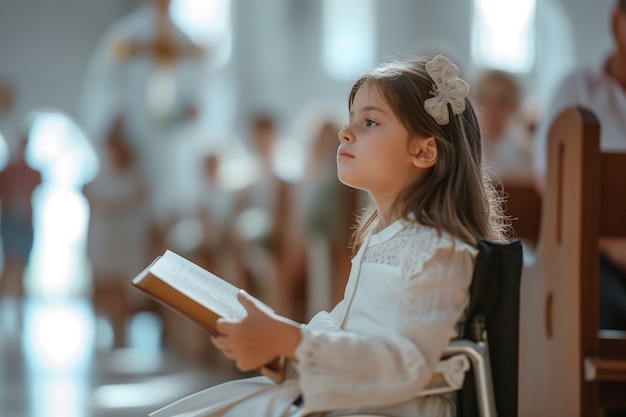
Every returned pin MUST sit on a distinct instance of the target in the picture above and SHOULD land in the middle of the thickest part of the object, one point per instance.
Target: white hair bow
(448, 88)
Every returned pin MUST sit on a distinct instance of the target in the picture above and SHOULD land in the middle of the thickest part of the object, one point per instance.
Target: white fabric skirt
(261, 397)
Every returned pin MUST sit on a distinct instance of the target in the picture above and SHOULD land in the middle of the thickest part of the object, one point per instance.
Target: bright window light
(207, 23)
(349, 36)
(58, 395)
(503, 34)
(58, 336)
(59, 149)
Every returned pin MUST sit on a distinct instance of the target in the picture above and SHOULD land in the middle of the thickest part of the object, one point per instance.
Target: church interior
(209, 128)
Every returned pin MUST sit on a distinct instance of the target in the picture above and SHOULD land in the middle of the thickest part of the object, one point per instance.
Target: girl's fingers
(246, 301)
(222, 344)
(218, 341)
(243, 366)
(223, 327)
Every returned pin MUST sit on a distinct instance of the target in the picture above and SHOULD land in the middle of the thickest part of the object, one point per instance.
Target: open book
(190, 290)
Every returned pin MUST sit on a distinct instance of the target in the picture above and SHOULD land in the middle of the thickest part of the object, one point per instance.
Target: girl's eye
(370, 123)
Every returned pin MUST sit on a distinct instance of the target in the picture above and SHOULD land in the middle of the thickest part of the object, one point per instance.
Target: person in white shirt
(602, 89)
(148, 72)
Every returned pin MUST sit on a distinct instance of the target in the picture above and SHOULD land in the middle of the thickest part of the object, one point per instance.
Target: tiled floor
(53, 366)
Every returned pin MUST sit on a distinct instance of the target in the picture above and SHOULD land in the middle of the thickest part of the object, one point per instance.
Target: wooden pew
(523, 206)
(568, 367)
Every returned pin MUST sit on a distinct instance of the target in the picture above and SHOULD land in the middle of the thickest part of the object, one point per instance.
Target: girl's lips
(344, 154)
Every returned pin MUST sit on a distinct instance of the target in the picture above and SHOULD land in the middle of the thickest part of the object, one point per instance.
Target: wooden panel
(550, 334)
(585, 199)
(613, 344)
(523, 206)
(613, 194)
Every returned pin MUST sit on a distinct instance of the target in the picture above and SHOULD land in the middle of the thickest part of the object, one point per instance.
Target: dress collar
(388, 232)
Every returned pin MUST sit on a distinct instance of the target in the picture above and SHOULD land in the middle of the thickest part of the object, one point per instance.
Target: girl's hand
(258, 339)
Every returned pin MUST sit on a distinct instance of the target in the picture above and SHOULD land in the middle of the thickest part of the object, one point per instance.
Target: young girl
(413, 143)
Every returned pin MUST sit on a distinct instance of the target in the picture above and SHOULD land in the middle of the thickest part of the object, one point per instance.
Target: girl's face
(373, 154)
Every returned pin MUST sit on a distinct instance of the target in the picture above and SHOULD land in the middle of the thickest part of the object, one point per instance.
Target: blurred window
(503, 34)
(207, 23)
(349, 36)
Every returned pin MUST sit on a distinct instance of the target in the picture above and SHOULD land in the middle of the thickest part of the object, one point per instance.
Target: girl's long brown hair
(457, 195)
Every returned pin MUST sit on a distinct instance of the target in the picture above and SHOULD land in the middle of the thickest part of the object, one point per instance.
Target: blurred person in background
(117, 238)
(18, 182)
(148, 71)
(261, 211)
(601, 88)
(507, 145)
(324, 210)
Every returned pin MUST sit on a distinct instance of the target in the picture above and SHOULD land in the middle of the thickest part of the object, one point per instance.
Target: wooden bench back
(523, 206)
(585, 198)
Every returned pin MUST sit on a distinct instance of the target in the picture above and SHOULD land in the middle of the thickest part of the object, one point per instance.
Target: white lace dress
(377, 348)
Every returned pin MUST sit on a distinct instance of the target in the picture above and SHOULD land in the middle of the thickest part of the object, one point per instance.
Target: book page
(199, 284)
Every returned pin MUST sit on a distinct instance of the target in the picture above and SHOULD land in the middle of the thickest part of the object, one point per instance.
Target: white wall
(45, 44)
(44, 47)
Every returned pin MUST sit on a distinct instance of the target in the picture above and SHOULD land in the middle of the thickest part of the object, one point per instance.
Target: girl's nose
(345, 135)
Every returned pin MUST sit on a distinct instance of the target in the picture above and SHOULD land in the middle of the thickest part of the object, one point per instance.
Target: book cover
(190, 290)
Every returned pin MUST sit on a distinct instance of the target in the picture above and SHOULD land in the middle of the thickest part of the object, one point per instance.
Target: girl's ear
(424, 152)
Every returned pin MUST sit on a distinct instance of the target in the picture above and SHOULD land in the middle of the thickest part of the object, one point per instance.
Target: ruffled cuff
(449, 376)
(308, 351)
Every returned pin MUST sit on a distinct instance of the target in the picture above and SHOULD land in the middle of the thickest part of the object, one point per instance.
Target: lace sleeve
(341, 369)
(435, 298)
